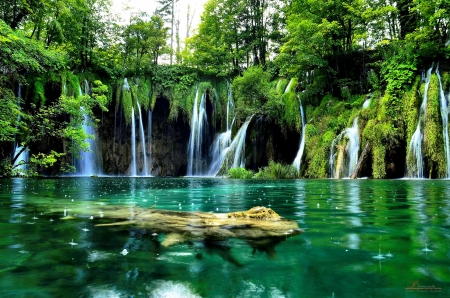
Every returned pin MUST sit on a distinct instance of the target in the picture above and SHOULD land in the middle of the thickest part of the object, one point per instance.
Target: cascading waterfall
(237, 147)
(88, 163)
(352, 146)
(366, 103)
(222, 142)
(199, 119)
(415, 146)
(133, 171)
(351, 151)
(444, 115)
(235, 151)
(23, 154)
(298, 158)
(142, 138)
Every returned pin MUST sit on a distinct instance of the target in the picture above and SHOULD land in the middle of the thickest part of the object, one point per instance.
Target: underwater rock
(254, 224)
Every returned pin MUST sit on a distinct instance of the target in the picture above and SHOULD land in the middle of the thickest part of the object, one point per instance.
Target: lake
(363, 238)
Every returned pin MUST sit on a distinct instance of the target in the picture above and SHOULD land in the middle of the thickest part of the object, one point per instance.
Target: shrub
(239, 173)
(277, 171)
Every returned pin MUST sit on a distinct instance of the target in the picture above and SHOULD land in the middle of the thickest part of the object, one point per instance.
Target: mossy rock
(261, 213)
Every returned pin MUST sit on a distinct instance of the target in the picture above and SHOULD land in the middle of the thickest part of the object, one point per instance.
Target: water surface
(363, 238)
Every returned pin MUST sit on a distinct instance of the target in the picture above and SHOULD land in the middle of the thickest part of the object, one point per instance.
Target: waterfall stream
(444, 115)
(222, 142)
(352, 146)
(350, 152)
(298, 159)
(87, 164)
(142, 139)
(198, 121)
(133, 171)
(415, 146)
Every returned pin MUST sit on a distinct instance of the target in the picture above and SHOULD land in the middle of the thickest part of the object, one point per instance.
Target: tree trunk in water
(354, 175)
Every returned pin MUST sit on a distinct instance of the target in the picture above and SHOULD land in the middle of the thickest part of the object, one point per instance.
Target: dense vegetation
(337, 53)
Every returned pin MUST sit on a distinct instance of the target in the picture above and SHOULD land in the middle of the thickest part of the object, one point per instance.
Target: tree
(49, 122)
(143, 39)
(167, 13)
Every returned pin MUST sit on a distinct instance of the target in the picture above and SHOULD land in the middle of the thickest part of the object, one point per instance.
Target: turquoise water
(363, 238)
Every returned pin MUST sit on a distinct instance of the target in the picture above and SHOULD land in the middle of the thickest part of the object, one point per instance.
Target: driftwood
(358, 167)
(259, 224)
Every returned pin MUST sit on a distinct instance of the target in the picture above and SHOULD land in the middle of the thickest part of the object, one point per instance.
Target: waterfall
(235, 151)
(352, 146)
(298, 159)
(366, 103)
(198, 120)
(238, 145)
(149, 139)
(415, 146)
(142, 138)
(444, 114)
(351, 151)
(222, 142)
(87, 164)
(24, 155)
(133, 144)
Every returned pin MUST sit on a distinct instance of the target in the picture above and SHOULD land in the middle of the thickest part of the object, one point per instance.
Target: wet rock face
(166, 154)
(169, 143)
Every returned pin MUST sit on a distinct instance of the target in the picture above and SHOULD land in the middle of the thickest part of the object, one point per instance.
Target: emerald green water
(363, 238)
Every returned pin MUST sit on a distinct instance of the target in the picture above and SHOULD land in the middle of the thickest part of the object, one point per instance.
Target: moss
(127, 104)
(433, 144)
(39, 91)
(291, 116)
(73, 86)
(281, 86)
(143, 93)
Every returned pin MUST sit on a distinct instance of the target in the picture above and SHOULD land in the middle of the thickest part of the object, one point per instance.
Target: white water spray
(298, 159)
(198, 120)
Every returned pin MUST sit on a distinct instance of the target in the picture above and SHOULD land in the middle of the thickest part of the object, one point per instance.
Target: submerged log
(254, 224)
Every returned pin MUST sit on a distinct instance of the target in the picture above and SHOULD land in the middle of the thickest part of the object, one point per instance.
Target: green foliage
(239, 173)
(277, 171)
(252, 91)
(39, 91)
(9, 115)
(399, 66)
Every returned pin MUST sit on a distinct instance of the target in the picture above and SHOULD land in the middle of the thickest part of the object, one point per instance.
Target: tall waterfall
(415, 146)
(352, 146)
(444, 115)
(351, 151)
(222, 142)
(298, 159)
(142, 138)
(199, 119)
(133, 171)
(87, 164)
(237, 147)
(24, 154)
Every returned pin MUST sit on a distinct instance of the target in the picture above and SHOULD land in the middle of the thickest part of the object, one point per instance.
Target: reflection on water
(362, 238)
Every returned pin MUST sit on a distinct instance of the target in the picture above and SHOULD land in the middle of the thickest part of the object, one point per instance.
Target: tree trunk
(354, 175)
